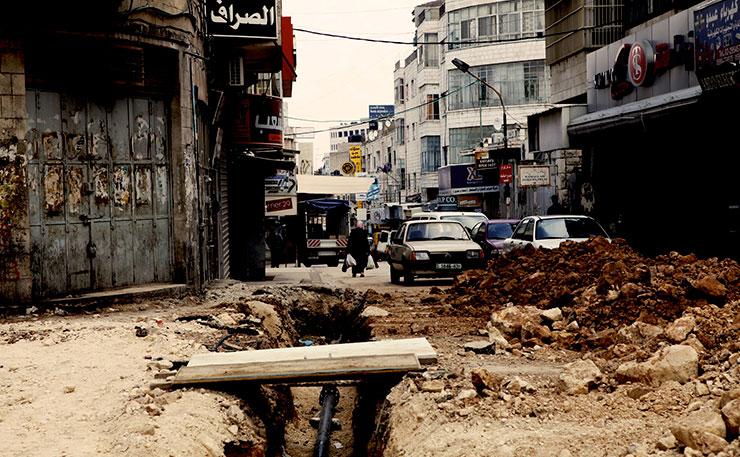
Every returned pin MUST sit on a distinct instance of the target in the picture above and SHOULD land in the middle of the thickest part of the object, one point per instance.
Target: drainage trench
(291, 414)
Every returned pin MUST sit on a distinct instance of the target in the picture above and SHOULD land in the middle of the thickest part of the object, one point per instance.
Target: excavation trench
(288, 414)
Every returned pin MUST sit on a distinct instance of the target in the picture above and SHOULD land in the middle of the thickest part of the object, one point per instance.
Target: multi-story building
(443, 114)
(121, 145)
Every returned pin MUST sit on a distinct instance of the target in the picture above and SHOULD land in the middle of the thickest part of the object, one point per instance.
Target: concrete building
(117, 126)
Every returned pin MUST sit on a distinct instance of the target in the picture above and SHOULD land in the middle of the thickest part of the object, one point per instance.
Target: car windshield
(566, 227)
(500, 231)
(436, 231)
(467, 221)
(383, 237)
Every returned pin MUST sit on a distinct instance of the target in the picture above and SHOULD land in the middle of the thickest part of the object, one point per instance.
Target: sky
(337, 78)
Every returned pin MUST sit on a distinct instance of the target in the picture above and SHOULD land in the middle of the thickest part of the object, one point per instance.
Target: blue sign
(717, 43)
(464, 179)
(381, 111)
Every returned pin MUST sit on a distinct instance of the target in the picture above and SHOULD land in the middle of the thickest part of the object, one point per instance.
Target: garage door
(100, 194)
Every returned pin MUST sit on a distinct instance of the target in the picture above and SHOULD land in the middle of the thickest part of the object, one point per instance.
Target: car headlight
(420, 256)
(475, 254)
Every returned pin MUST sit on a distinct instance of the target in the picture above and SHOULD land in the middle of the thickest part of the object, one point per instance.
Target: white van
(467, 218)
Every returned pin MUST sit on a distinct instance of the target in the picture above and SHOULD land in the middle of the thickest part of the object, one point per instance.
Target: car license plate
(449, 266)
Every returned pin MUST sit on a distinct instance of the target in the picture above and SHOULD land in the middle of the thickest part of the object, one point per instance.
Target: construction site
(590, 349)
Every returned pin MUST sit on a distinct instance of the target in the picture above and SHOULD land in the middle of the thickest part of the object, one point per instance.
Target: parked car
(432, 248)
(467, 218)
(550, 231)
(382, 244)
(490, 235)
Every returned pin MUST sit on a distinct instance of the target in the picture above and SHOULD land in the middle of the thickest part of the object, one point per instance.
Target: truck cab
(326, 222)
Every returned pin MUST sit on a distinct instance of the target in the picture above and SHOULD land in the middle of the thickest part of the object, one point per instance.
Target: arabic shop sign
(717, 44)
(534, 176)
(257, 120)
(242, 18)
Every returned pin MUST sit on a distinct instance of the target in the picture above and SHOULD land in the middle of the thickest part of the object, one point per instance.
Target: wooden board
(418, 346)
(291, 371)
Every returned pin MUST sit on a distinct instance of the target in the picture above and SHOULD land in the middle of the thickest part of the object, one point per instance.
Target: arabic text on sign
(226, 15)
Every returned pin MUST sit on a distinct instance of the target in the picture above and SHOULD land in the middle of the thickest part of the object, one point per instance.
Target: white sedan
(549, 231)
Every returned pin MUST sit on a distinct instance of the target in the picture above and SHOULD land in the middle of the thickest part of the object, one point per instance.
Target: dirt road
(79, 384)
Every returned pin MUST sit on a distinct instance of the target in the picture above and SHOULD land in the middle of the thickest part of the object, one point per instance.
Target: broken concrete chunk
(374, 311)
(731, 415)
(552, 315)
(638, 391)
(666, 443)
(578, 377)
(485, 380)
(679, 330)
(436, 385)
(701, 430)
(496, 337)
(573, 326)
(710, 286)
(480, 347)
(672, 363)
(510, 320)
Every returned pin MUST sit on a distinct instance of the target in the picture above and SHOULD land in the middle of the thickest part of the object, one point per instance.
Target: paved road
(377, 279)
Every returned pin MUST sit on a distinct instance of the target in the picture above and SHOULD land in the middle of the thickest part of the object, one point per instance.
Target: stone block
(5, 84)
(11, 61)
(18, 84)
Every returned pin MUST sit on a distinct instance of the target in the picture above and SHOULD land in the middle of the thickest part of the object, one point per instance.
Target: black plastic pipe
(328, 400)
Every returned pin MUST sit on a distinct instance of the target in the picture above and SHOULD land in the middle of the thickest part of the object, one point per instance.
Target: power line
(539, 35)
(315, 13)
(378, 119)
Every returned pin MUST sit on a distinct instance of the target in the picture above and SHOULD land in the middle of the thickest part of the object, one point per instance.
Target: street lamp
(465, 68)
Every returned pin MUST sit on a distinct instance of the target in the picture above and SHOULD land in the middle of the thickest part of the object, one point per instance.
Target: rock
(678, 330)
(509, 321)
(666, 443)
(233, 429)
(731, 415)
(710, 286)
(727, 397)
(147, 430)
(466, 394)
(480, 347)
(638, 333)
(436, 385)
(514, 386)
(602, 339)
(696, 344)
(630, 290)
(672, 363)
(578, 377)
(701, 389)
(572, 327)
(485, 380)
(531, 331)
(552, 315)
(32, 310)
(701, 430)
(637, 392)
(69, 389)
(495, 336)
(374, 311)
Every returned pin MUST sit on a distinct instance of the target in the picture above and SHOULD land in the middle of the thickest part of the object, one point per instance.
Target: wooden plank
(419, 346)
(291, 371)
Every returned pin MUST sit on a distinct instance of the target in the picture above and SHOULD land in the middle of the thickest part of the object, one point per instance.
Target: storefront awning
(633, 113)
(333, 185)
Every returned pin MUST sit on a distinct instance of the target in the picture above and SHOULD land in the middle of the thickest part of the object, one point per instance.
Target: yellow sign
(348, 168)
(355, 154)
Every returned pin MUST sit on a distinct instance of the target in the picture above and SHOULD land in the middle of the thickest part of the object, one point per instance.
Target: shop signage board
(257, 120)
(484, 161)
(242, 19)
(281, 206)
(464, 179)
(468, 201)
(380, 111)
(717, 44)
(534, 175)
(506, 174)
(355, 155)
(348, 168)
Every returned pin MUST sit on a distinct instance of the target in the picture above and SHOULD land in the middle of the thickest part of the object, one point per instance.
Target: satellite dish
(372, 135)
(387, 122)
(497, 123)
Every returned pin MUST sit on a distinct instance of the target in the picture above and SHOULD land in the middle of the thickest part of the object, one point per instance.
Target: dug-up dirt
(586, 350)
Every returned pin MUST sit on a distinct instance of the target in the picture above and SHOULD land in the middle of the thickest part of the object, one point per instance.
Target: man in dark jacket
(358, 248)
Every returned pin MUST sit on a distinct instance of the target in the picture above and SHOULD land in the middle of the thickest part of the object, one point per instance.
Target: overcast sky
(338, 78)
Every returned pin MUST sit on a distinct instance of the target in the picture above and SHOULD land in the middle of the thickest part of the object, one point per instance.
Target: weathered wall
(15, 255)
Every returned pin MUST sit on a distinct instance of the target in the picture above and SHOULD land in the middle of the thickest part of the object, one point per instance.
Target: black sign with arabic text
(242, 18)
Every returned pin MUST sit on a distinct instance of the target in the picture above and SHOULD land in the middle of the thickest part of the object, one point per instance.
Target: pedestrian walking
(277, 243)
(359, 248)
(556, 208)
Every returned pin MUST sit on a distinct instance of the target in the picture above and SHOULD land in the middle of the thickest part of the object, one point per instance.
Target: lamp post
(465, 68)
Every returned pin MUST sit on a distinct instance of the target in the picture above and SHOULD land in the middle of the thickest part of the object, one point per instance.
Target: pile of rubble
(640, 323)
(610, 295)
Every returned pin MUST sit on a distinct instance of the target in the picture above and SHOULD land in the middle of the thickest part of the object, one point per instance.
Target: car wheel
(395, 275)
(408, 279)
(307, 263)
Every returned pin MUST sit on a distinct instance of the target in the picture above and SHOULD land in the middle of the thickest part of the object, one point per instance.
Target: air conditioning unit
(236, 71)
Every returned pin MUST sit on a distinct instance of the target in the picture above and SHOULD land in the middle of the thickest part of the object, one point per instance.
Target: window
(505, 20)
(400, 131)
(430, 153)
(430, 50)
(520, 83)
(466, 139)
(413, 131)
(432, 107)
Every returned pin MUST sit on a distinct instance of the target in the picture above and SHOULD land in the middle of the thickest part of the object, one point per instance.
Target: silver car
(550, 231)
(432, 249)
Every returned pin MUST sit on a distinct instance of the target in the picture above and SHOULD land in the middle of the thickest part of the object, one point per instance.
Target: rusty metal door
(100, 203)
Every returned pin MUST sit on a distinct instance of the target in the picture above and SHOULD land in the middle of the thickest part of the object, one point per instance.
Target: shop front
(465, 188)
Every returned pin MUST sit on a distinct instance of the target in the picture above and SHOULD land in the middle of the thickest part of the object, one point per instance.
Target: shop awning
(333, 185)
(326, 204)
(633, 113)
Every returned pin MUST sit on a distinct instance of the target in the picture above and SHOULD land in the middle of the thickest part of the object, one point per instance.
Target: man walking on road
(358, 248)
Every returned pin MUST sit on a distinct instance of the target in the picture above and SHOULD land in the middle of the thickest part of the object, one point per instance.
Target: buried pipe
(328, 399)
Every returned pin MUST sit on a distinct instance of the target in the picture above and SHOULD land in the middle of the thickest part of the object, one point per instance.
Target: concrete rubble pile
(647, 323)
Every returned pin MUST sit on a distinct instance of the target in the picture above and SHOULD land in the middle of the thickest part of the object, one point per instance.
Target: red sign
(280, 204)
(506, 174)
(640, 63)
(257, 120)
